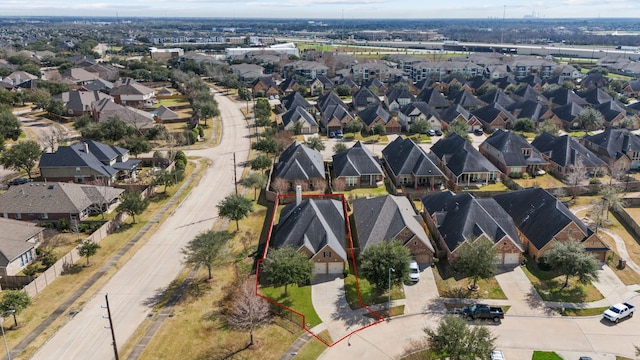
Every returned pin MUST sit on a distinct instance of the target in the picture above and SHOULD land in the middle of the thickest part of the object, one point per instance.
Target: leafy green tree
(255, 181)
(56, 107)
(266, 144)
(235, 207)
(379, 129)
(343, 90)
(339, 147)
(571, 259)
(137, 145)
(207, 248)
(476, 258)
(22, 156)
(40, 98)
(207, 108)
(285, 266)
(549, 127)
(133, 204)
(261, 162)
(87, 249)
(9, 124)
(315, 143)
(610, 195)
(524, 124)
(6, 96)
(353, 126)
(30, 67)
(591, 119)
(376, 261)
(420, 126)
(16, 301)
(456, 340)
(457, 127)
(262, 110)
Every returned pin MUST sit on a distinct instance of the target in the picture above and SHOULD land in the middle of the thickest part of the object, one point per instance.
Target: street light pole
(4, 338)
(389, 300)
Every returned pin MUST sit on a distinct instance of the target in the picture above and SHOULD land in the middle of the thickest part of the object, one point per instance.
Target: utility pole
(113, 334)
(235, 173)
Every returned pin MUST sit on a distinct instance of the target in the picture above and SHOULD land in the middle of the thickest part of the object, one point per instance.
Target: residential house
(105, 109)
(299, 121)
(87, 162)
(317, 229)
(467, 100)
(377, 86)
(565, 116)
(164, 114)
(632, 88)
(562, 96)
(419, 111)
(594, 80)
(335, 117)
(457, 219)
(129, 92)
(512, 154)
(373, 116)
(595, 96)
(495, 116)
(79, 76)
(497, 96)
(18, 77)
(397, 98)
(434, 98)
(364, 98)
(462, 163)
(387, 218)
(295, 100)
(564, 153)
(409, 165)
(329, 99)
(529, 93)
(79, 102)
(543, 220)
(97, 85)
(458, 113)
(315, 87)
(348, 82)
(357, 167)
(50, 202)
(18, 243)
(528, 109)
(247, 72)
(567, 72)
(615, 114)
(288, 86)
(264, 86)
(299, 165)
(619, 148)
(327, 84)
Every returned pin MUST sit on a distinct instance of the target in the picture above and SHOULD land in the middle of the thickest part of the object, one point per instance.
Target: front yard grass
(582, 312)
(312, 349)
(545, 355)
(453, 285)
(365, 192)
(548, 284)
(369, 294)
(297, 298)
(545, 181)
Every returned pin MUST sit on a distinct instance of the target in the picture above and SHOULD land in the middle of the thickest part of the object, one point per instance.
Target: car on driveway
(438, 132)
(431, 132)
(478, 132)
(332, 134)
(339, 134)
(414, 271)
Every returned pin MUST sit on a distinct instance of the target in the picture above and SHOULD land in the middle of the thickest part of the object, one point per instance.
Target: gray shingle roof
(45, 198)
(370, 114)
(615, 142)
(299, 162)
(13, 238)
(296, 114)
(461, 157)
(404, 157)
(565, 151)
(433, 97)
(356, 161)
(98, 158)
(510, 145)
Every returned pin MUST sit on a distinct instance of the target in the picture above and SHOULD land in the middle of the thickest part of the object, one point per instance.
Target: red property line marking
(353, 263)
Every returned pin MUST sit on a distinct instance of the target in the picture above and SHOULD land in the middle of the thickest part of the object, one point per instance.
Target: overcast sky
(317, 9)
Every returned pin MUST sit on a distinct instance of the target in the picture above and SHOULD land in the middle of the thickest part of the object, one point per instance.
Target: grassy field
(545, 181)
(453, 285)
(312, 349)
(297, 298)
(548, 284)
(370, 294)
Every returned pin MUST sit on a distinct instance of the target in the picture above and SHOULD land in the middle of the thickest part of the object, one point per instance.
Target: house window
(77, 170)
(18, 216)
(351, 180)
(526, 151)
(44, 216)
(327, 254)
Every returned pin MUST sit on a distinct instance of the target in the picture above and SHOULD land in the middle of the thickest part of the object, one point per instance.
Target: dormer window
(526, 151)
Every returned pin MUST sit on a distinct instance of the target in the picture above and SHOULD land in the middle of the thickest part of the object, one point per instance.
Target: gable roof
(529, 93)
(364, 97)
(399, 93)
(615, 141)
(527, 109)
(312, 224)
(433, 97)
(298, 162)
(452, 112)
(510, 146)
(82, 100)
(13, 238)
(130, 87)
(497, 96)
(266, 80)
(491, 112)
(381, 219)
(370, 114)
(328, 99)
(595, 96)
(562, 96)
(98, 84)
(97, 158)
(466, 99)
(565, 150)
(460, 156)
(294, 100)
(356, 161)
(610, 110)
(568, 112)
(165, 113)
(296, 114)
(422, 107)
(404, 157)
(105, 109)
(539, 215)
(462, 217)
(335, 112)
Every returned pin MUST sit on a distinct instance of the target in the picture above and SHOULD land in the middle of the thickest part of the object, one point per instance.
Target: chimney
(298, 194)
(86, 147)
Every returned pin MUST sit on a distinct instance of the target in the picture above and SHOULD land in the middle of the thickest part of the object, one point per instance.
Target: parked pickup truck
(483, 311)
(618, 312)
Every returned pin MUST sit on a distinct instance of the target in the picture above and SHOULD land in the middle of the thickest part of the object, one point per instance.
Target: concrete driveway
(521, 295)
(421, 297)
(330, 303)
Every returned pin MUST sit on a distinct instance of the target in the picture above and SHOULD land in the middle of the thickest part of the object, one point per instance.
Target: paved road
(158, 262)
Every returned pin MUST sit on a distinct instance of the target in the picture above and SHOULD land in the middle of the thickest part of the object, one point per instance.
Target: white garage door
(320, 268)
(511, 258)
(336, 267)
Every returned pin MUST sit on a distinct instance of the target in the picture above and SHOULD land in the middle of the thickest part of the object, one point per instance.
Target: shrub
(595, 181)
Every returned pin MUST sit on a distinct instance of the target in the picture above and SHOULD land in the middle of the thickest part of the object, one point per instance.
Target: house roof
(312, 224)
(13, 238)
(452, 112)
(107, 109)
(98, 157)
(287, 84)
(165, 113)
(562, 96)
(539, 215)
(364, 97)
(81, 100)
(566, 151)
(422, 107)
(490, 112)
(568, 112)
(433, 97)
(381, 219)
(462, 217)
(51, 198)
(399, 93)
(497, 96)
(404, 157)
(335, 112)
(466, 99)
(130, 87)
(370, 114)
(615, 141)
(610, 110)
(297, 114)
(328, 99)
(529, 93)
(266, 80)
(595, 96)
(527, 109)
(98, 85)
(79, 75)
(294, 100)
(298, 162)
(510, 146)
(356, 161)
(460, 156)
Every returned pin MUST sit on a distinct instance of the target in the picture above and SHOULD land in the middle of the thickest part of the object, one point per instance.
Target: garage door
(511, 258)
(320, 268)
(336, 267)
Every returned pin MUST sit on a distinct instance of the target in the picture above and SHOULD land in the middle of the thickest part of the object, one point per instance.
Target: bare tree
(247, 311)
(304, 184)
(339, 184)
(576, 175)
(280, 185)
(53, 138)
(616, 173)
(319, 184)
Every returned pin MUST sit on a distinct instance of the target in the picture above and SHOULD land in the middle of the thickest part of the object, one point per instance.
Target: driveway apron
(421, 296)
(523, 298)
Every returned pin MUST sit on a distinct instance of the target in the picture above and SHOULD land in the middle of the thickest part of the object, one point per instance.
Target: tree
(9, 124)
(610, 195)
(524, 124)
(87, 249)
(420, 126)
(576, 175)
(247, 310)
(315, 143)
(280, 185)
(376, 261)
(21, 156)
(255, 181)
(133, 204)
(591, 119)
(164, 178)
(207, 248)
(343, 90)
(137, 145)
(476, 258)
(457, 127)
(55, 106)
(339, 147)
(353, 126)
(379, 129)
(549, 127)
(571, 259)
(286, 266)
(261, 162)
(456, 340)
(14, 300)
(266, 144)
(235, 207)
(40, 98)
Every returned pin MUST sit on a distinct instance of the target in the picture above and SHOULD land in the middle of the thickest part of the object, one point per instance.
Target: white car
(497, 355)
(414, 271)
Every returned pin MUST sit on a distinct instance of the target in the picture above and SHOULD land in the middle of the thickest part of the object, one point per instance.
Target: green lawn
(369, 294)
(545, 355)
(297, 298)
(313, 349)
(364, 192)
(583, 312)
(454, 285)
(171, 102)
(548, 284)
